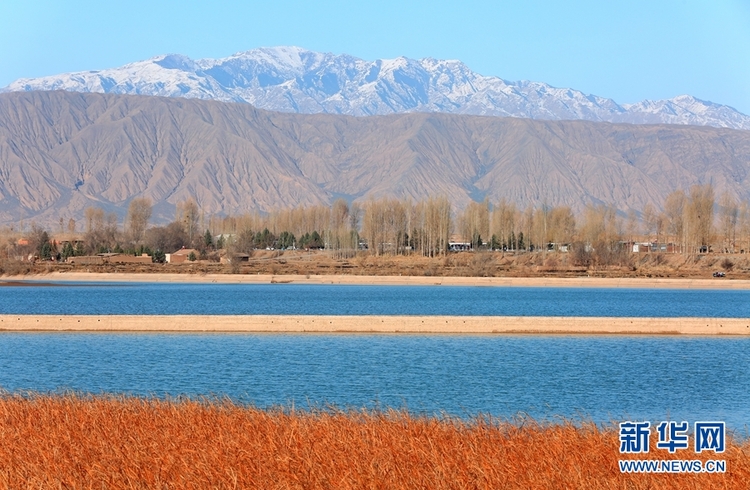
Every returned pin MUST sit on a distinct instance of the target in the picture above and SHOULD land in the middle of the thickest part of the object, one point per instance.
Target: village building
(653, 247)
(239, 257)
(62, 239)
(457, 243)
(181, 255)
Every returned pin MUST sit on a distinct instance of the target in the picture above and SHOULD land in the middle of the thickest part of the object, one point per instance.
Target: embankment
(377, 324)
(547, 282)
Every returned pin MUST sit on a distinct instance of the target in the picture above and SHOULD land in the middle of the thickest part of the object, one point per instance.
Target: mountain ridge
(61, 152)
(291, 79)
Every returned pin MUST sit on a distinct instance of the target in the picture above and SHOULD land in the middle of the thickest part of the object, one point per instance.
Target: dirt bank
(377, 324)
(575, 282)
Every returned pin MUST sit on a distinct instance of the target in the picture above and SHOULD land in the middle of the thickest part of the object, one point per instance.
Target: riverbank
(468, 265)
(376, 324)
(572, 282)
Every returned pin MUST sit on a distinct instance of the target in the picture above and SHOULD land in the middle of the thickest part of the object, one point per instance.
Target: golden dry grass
(105, 442)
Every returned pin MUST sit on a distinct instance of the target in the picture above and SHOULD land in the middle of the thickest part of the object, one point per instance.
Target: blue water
(596, 377)
(249, 299)
(602, 378)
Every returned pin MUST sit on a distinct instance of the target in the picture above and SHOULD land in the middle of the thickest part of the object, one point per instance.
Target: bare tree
(649, 221)
(438, 224)
(101, 230)
(139, 212)
(385, 225)
(355, 215)
(601, 232)
(166, 238)
(94, 219)
(95, 229)
(373, 226)
(504, 219)
(744, 227)
(474, 223)
(728, 215)
(631, 228)
(561, 225)
(700, 213)
(110, 230)
(527, 225)
(659, 223)
(593, 227)
(675, 206)
(188, 214)
(337, 234)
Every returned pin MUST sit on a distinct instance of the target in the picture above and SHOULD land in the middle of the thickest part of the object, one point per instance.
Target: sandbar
(377, 324)
(575, 282)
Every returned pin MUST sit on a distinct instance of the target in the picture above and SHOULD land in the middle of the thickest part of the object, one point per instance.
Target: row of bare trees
(691, 220)
(101, 229)
(688, 219)
(393, 226)
(384, 226)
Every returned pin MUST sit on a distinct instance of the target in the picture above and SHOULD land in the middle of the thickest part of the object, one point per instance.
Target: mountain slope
(61, 152)
(291, 79)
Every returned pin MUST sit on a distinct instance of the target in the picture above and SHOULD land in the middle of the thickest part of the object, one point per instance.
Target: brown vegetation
(106, 442)
(139, 212)
(462, 264)
(324, 240)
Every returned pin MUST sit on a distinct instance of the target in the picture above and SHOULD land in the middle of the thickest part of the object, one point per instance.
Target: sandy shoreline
(377, 324)
(578, 282)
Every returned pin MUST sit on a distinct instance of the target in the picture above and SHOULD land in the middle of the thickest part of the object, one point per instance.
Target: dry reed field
(71, 441)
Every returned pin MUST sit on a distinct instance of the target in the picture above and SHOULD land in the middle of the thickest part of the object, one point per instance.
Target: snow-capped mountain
(291, 79)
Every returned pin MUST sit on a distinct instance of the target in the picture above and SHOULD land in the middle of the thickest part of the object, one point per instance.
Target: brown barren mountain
(61, 152)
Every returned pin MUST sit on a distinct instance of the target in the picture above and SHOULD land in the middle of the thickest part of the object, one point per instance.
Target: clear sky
(626, 50)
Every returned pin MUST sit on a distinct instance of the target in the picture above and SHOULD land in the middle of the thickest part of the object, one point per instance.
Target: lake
(602, 378)
(307, 299)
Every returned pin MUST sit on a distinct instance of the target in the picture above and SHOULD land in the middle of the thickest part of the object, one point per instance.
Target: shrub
(482, 265)
(727, 265)
(581, 256)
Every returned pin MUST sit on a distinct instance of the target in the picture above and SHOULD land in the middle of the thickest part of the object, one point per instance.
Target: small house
(181, 255)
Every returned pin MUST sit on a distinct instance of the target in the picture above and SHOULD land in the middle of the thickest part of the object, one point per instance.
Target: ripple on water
(601, 377)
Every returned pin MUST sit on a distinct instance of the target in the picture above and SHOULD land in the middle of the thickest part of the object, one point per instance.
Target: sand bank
(377, 324)
(578, 282)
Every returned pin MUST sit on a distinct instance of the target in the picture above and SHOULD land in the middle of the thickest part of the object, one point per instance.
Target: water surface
(315, 299)
(604, 378)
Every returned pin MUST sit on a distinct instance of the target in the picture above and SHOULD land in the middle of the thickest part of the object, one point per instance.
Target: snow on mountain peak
(292, 79)
(289, 57)
(175, 62)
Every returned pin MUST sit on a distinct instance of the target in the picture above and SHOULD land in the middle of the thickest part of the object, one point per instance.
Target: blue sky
(626, 50)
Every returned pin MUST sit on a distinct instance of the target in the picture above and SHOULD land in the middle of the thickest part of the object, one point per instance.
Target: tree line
(691, 221)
